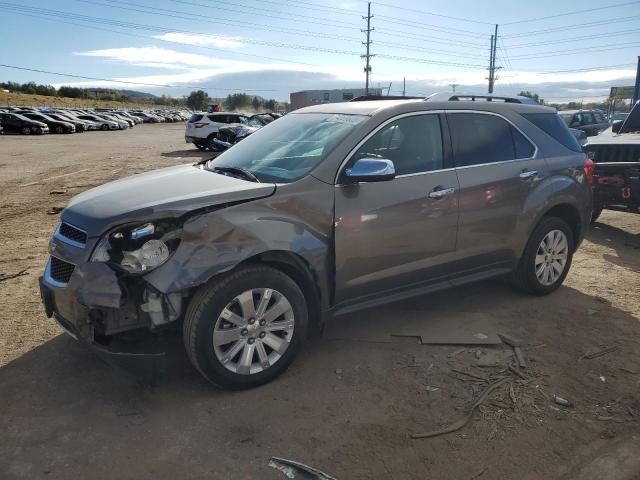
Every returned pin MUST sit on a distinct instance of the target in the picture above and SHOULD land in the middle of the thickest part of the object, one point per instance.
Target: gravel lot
(345, 407)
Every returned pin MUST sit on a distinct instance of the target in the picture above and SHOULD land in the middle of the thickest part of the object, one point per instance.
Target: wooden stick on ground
(462, 422)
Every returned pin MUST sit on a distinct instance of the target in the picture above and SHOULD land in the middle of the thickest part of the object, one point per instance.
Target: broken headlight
(139, 248)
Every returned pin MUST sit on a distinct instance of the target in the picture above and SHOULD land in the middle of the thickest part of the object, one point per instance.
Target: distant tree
(236, 101)
(198, 100)
(256, 103)
(533, 96)
(271, 105)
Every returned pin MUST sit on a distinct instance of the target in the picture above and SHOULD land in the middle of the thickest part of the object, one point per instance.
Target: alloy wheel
(551, 257)
(253, 331)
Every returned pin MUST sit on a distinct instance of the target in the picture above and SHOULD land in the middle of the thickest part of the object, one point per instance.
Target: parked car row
(34, 121)
(219, 130)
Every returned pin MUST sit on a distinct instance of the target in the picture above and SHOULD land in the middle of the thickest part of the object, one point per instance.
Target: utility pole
(367, 68)
(636, 90)
(453, 86)
(492, 60)
(404, 86)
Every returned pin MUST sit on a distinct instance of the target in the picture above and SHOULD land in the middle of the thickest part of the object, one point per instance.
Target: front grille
(73, 233)
(615, 153)
(60, 270)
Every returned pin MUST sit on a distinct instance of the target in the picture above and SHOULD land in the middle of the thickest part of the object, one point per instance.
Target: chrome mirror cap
(371, 170)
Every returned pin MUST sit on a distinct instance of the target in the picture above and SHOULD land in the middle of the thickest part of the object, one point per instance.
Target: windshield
(288, 149)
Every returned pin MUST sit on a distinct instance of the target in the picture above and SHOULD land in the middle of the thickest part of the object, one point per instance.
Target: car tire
(547, 257)
(59, 129)
(104, 127)
(228, 309)
(596, 212)
(26, 130)
(200, 147)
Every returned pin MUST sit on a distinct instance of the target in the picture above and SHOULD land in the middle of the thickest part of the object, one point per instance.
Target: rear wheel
(547, 257)
(245, 328)
(104, 127)
(200, 147)
(26, 130)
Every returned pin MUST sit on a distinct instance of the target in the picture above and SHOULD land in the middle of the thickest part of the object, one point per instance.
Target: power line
(575, 51)
(424, 12)
(175, 42)
(291, 31)
(252, 9)
(572, 12)
(15, 67)
(571, 39)
(120, 24)
(576, 25)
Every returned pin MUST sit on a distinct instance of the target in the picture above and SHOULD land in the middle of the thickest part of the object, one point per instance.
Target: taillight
(199, 125)
(589, 168)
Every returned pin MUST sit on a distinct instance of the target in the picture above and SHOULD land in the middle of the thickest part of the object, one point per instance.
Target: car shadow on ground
(625, 244)
(66, 413)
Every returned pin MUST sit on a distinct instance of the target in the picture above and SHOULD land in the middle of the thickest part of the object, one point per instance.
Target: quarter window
(413, 144)
(480, 138)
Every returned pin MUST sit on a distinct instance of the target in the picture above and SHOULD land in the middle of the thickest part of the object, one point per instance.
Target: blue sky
(274, 47)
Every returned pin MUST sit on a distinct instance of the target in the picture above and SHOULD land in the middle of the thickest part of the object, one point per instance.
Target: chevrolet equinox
(331, 209)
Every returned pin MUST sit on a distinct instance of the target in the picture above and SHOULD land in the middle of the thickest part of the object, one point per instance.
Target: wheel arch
(570, 214)
(300, 271)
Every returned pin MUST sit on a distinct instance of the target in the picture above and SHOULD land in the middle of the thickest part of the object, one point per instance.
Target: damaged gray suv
(330, 209)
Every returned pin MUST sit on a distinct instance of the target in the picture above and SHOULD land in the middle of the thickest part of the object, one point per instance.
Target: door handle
(441, 192)
(528, 173)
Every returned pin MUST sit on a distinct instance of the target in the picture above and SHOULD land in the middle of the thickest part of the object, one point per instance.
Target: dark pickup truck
(616, 154)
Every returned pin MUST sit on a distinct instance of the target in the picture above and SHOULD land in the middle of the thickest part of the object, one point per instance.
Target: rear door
(394, 234)
(498, 167)
(194, 124)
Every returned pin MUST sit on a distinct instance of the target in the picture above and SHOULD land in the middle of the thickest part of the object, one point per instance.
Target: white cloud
(220, 41)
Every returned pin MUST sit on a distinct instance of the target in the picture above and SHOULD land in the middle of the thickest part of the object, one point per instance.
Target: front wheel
(105, 127)
(26, 130)
(200, 147)
(547, 257)
(245, 328)
(59, 129)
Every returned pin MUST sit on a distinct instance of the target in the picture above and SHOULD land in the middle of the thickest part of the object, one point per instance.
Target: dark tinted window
(219, 118)
(524, 149)
(413, 144)
(551, 124)
(480, 138)
(195, 118)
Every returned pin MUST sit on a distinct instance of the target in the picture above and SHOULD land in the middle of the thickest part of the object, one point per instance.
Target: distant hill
(133, 94)
(26, 99)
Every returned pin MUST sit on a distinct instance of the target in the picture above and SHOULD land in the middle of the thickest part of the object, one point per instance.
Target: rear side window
(195, 118)
(480, 138)
(552, 124)
(219, 118)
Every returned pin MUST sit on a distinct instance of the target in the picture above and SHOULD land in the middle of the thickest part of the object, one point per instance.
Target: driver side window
(413, 144)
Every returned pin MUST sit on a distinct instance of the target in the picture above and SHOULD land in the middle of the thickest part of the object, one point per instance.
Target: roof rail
(453, 97)
(364, 98)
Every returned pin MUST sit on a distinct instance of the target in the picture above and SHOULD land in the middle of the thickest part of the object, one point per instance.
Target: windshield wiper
(238, 172)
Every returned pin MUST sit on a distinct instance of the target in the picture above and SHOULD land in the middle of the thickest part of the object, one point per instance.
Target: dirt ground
(346, 407)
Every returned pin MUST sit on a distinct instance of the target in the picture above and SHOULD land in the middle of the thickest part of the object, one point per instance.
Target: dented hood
(160, 193)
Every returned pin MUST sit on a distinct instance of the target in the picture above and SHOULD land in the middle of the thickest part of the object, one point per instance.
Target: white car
(203, 127)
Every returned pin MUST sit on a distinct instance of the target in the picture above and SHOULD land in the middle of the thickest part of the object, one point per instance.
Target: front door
(394, 234)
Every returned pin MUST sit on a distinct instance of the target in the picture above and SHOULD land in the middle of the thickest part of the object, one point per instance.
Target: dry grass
(11, 99)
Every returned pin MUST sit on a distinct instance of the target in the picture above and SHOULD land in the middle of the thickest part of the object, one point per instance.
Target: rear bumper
(194, 140)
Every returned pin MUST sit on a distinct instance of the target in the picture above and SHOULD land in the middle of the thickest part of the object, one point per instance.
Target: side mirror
(616, 126)
(371, 170)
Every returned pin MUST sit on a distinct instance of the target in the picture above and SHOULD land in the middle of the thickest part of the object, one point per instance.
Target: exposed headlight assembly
(139, 248)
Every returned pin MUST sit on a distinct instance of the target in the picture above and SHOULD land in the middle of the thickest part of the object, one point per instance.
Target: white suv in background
(203, 127)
